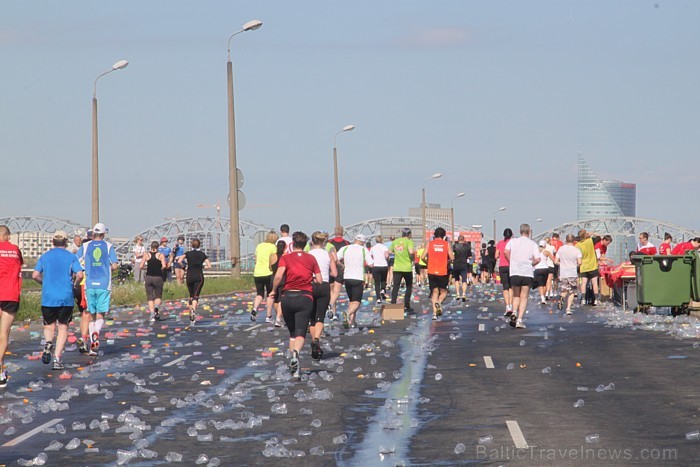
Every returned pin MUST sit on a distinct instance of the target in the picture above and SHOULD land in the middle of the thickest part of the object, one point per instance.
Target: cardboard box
(392, 312)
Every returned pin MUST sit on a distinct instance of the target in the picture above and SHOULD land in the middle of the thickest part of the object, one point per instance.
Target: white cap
(360, 238)
(543, 243)
(99, 228)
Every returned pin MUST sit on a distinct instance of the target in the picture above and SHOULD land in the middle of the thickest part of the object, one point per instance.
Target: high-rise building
(603, 198)
(598, 199)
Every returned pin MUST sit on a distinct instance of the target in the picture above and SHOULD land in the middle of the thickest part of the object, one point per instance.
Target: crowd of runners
(300, 278)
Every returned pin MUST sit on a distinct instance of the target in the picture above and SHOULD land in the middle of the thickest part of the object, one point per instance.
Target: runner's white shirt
(568, 261)
(378, 255)
(324, 262)
(355, 257)
(522, 252)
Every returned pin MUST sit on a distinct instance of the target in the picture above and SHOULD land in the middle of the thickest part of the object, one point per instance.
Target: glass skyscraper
(603, 198)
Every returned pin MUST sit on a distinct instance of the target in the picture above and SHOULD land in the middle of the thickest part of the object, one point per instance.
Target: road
(465, 389)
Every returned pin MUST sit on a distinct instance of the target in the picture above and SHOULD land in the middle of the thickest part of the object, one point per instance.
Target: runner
(178, 266)
(421, 272)
(504, 270)
(322, 292)
(196, 261)
(338, 242)
(262, 275)
(549, 292)
(556, 243)
(10, 288)
(368, 269)
(275, 261)
(380, 270)
(354, 257)
(100, 261)
(390, 262)
(153, 262)
(460, 267)
(523, 255)
(284, 236)
(81, 298)
(589, 265)
(569, 259)
(542, 270)
(438, 255)
(484, 262)
(665, 248)
(54, 271)
(490, 259)
(403, 268)
(645, 247)
(300, 269)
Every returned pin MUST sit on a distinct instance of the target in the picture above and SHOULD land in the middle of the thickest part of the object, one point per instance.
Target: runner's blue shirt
(57, 265)
(99, 257)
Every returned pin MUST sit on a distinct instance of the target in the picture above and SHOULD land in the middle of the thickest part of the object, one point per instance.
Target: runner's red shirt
(681, 248)
(10, 272)
(300, 268)
(603, 248)
(437, 257)
(556, 244)
(665, 249)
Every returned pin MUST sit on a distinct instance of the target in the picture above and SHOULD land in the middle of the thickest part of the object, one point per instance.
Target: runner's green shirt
(402, 259)
(262, 259)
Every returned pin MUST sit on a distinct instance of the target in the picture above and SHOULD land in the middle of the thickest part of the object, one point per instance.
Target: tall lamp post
(335, 174)
(232, 167)
(452, 214)
(501, 209)
(95, 166)
(432, 177)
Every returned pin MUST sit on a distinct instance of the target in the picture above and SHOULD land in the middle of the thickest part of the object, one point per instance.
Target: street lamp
(432, 177)
(503, 208)
(95, 172)
(452, 214)
(235, 240)
(335, 175)
(532, 227)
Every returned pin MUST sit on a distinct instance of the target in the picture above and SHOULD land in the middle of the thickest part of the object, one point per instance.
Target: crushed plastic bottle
(317, 451)
(316, 423)
(342, 439)
(579, 403)
(55, 445)
(692, 435)
(592, 439)
(546, 370)
(510, 366)
(73, 444)
(460, 448)
(488, 439)
(438, 376)
(173, 457)
(202, 459)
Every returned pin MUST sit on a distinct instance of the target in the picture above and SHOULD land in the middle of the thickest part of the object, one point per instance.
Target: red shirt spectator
(665, 249)
(681, 248)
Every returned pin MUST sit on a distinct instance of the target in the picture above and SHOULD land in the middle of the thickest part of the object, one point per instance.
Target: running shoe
(278, 323)
(464, 299)
(269, 320)
(382, 294)
(435, 317)
(156, 314)
(58, 365)
(46, 355)
(560, 303)
(253, 314)
(353, 326)
(91, 353)
(193, 318)
(294, 365)
(409, 310)
(82, 346)
(3, 379)
(513, 319)
(569, 312)
(595, 302)
(543, 301)
(315, 346)
(334, 316)
(95, 338)
(508, 313)
(329, 313)
(438, 310)
(346, 324)
(379, 301)
(519, 324)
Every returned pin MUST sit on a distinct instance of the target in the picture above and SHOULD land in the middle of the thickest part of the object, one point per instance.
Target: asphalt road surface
(601, 387)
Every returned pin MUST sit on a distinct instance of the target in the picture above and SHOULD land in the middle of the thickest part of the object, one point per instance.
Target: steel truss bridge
(214, 232)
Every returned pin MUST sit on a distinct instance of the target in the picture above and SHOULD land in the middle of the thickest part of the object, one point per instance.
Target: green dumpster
(696, 277)
(664, 280)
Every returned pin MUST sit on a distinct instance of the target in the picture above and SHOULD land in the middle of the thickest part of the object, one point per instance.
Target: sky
(498, 96)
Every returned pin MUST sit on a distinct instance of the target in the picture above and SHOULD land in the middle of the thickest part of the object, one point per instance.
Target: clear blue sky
(499, 96)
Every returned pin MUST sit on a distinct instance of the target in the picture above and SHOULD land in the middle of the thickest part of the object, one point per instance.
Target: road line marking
(178, 360)
(481, 327)
(29, 434)
(488, 361)
(252, 327)
(516, 434)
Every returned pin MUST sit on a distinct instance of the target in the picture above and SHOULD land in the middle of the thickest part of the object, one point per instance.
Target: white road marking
(252, 327)
(516, 434)
(178, 360)
(29, 434)
(482, 327)
(488, 361)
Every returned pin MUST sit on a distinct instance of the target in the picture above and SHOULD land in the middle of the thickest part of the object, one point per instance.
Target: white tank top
(550, 249)
(543, 261)
(324, 262)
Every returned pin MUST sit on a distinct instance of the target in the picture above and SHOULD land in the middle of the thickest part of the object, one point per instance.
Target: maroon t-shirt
(300, 268)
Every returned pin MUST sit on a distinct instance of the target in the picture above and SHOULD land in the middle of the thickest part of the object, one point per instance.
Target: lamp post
(502, 208)
(532, 227)
(95, 166)
(432, 177)
(235, 240)
(335, 175)
(452, 214)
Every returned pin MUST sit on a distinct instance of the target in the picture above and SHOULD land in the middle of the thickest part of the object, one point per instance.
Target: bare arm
(36, 275)
(277, 279)
(207, 264)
